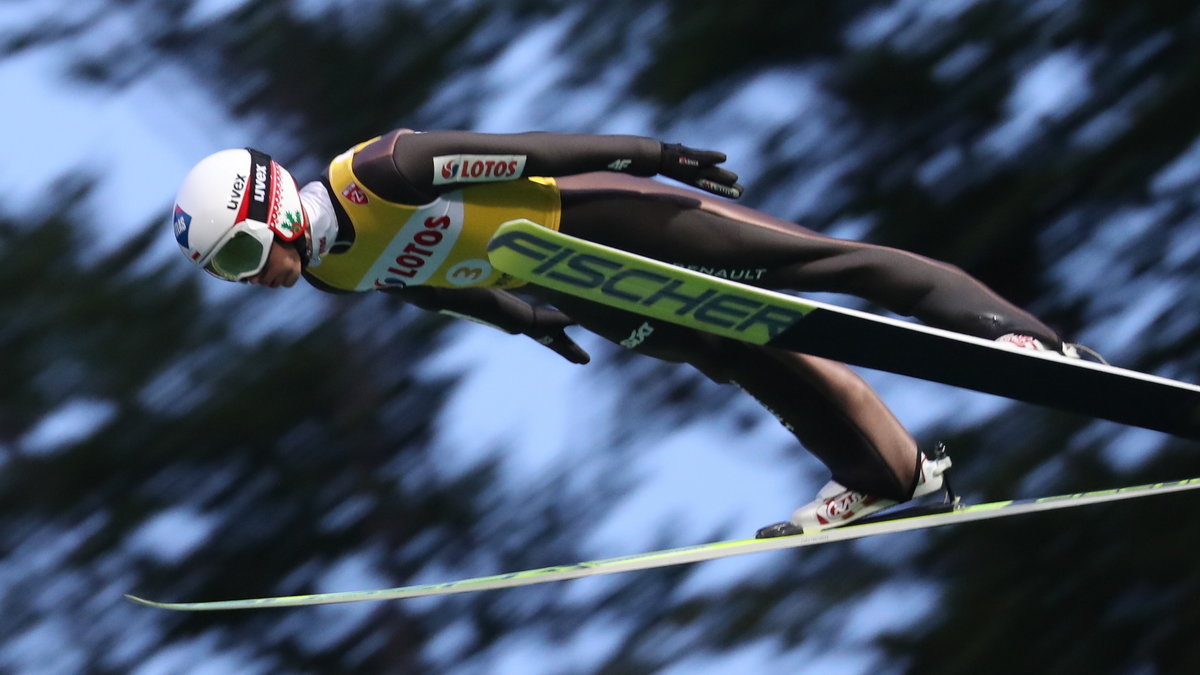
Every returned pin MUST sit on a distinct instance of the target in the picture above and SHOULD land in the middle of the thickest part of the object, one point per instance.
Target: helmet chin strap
(302, 245)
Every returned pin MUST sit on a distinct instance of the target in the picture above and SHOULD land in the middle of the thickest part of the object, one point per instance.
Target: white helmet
(231, 206)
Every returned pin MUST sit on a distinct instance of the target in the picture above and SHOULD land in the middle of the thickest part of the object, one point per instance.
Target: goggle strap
(262, 186)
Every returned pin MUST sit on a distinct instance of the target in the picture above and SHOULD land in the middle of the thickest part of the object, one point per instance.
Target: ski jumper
(415, 212)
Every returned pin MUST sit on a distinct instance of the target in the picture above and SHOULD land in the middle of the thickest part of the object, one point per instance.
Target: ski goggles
(242, 252)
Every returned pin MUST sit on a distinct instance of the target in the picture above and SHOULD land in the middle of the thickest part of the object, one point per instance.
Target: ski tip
(147, 603)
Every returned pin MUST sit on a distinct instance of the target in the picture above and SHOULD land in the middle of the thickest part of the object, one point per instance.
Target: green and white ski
(660, 291)
(691, 554)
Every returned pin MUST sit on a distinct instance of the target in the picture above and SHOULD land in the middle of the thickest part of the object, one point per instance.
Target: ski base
(691, 554)
(651, 288)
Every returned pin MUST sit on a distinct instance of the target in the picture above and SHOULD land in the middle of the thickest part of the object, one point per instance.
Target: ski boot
(1069, 349)
(837, 505)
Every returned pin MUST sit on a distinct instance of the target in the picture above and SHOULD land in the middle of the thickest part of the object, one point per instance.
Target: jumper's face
(282, 268)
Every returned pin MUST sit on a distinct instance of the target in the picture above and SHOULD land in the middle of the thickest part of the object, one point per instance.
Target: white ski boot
(837, 505)
(1069, 349)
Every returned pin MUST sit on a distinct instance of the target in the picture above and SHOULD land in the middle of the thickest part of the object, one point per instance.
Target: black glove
(547, 328)
(698, 168)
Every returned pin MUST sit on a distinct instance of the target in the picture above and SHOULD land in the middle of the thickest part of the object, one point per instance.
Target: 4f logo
(620, 164)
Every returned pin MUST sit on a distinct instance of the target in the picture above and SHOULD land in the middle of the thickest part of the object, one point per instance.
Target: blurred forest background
(161, 436)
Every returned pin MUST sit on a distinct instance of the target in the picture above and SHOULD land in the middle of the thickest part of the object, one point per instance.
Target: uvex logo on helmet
(261, 171)
(235, 193)
(477, 168)
(264, 181)
(272, 198)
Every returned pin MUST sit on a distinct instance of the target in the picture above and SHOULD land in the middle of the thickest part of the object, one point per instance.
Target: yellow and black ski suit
(415, 212)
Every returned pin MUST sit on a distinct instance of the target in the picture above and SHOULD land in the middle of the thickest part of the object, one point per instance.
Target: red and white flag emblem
(355, 194)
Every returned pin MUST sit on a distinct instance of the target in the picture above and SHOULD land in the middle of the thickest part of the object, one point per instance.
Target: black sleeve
(435, 162)
(491, 306)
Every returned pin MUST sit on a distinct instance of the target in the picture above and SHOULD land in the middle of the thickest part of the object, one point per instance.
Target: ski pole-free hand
(698, 168)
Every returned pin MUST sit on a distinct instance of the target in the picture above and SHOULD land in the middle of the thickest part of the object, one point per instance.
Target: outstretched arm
(499, 309)
(435, 162)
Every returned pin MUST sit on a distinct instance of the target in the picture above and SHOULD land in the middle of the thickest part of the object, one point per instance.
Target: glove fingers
(576, 354)
(550, 320)
(719, 182)
(699, 168)
(729, 191)
(718, 175)
(704, 157)
(566, 348)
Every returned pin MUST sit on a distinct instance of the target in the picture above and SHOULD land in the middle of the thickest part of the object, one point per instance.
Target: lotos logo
(477, 168)
(418, 250)
(355, 194)
(183, 222)
(390, 282)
